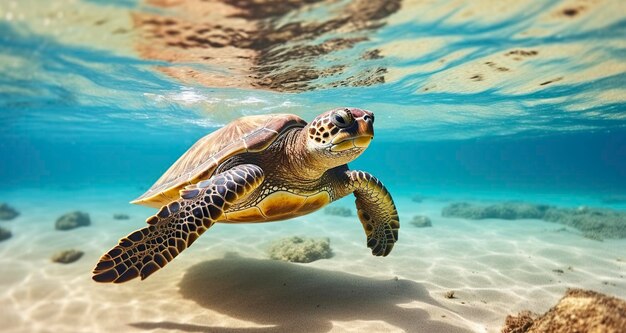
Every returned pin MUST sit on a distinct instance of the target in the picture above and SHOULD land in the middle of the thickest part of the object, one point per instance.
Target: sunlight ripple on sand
(495, 268)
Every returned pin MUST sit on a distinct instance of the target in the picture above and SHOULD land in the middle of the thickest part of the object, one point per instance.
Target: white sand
(224, 283)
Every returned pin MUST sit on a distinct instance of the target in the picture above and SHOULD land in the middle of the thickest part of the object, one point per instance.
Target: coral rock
(297, 249)
(72, 220)
(67, 256)
(4, 234)
(520, 323)
(578, 311)
(7, 212)
(421, 221)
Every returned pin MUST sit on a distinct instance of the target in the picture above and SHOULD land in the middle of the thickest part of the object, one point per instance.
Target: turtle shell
(246, 134)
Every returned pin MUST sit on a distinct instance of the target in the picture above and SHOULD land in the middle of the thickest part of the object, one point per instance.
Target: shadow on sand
(295, 298)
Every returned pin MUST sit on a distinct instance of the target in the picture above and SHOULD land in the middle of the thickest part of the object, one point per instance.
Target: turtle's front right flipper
(376, 211)
(176, 226)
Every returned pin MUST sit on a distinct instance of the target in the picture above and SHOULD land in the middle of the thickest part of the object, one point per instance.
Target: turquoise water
(88, 121)
(92, 105)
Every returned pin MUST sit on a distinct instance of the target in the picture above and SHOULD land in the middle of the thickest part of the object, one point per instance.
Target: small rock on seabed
(303, 250)
(338, 211)
(578, 311)
(4, 234)
(421, 221)
(7, 212)
(72, 220)
(67, 256)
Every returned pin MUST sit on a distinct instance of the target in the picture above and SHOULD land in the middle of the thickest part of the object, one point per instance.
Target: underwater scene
(423, 166)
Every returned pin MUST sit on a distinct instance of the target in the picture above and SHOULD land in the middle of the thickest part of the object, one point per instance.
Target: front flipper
(176, 226)
(376, 211)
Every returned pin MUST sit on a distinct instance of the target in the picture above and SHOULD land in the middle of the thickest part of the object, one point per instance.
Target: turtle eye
(342, 118)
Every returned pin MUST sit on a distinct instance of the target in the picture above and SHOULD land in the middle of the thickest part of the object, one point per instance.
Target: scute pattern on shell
(246, 134)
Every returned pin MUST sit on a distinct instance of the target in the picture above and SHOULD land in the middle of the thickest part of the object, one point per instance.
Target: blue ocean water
(75, 114)
(81, 109)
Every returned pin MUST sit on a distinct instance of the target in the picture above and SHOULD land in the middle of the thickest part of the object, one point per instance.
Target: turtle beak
(366, 124)
(366, 132)
(359, 135)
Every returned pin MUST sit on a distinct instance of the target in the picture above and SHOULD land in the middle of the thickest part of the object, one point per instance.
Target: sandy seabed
(226, 283)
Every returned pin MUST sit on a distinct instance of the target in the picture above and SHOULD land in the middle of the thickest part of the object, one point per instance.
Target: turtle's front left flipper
(376, 211)
(176, 226)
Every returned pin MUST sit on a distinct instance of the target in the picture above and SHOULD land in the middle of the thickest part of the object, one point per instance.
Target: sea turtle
(256, 169)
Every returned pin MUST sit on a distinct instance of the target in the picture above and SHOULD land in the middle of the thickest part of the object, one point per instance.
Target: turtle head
(340, 135)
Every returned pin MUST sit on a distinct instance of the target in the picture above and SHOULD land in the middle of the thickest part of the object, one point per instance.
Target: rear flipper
(176, 226)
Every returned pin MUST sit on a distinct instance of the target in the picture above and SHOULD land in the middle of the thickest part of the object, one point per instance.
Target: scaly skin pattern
(376, 210)
(287, 190)
(301, 171)
(176, 226)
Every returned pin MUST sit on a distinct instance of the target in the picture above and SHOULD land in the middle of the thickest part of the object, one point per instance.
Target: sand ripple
(495, 268)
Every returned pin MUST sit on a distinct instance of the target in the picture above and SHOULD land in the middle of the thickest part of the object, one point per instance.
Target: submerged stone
(338, 211)
(421, 221)
(67, 256)
(7, 212)
(72, 220)
(578, 311)
(4, 234)
(303, 250)
(121, 216)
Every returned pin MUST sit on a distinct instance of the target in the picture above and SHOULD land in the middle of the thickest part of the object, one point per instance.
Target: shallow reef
(72, 220)
(594, 223)
(578, 311)
(7, 212)
(66, 256)
(338, 211)
(4, 234)
(505, 211)
(421, 221)
(298, 249)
